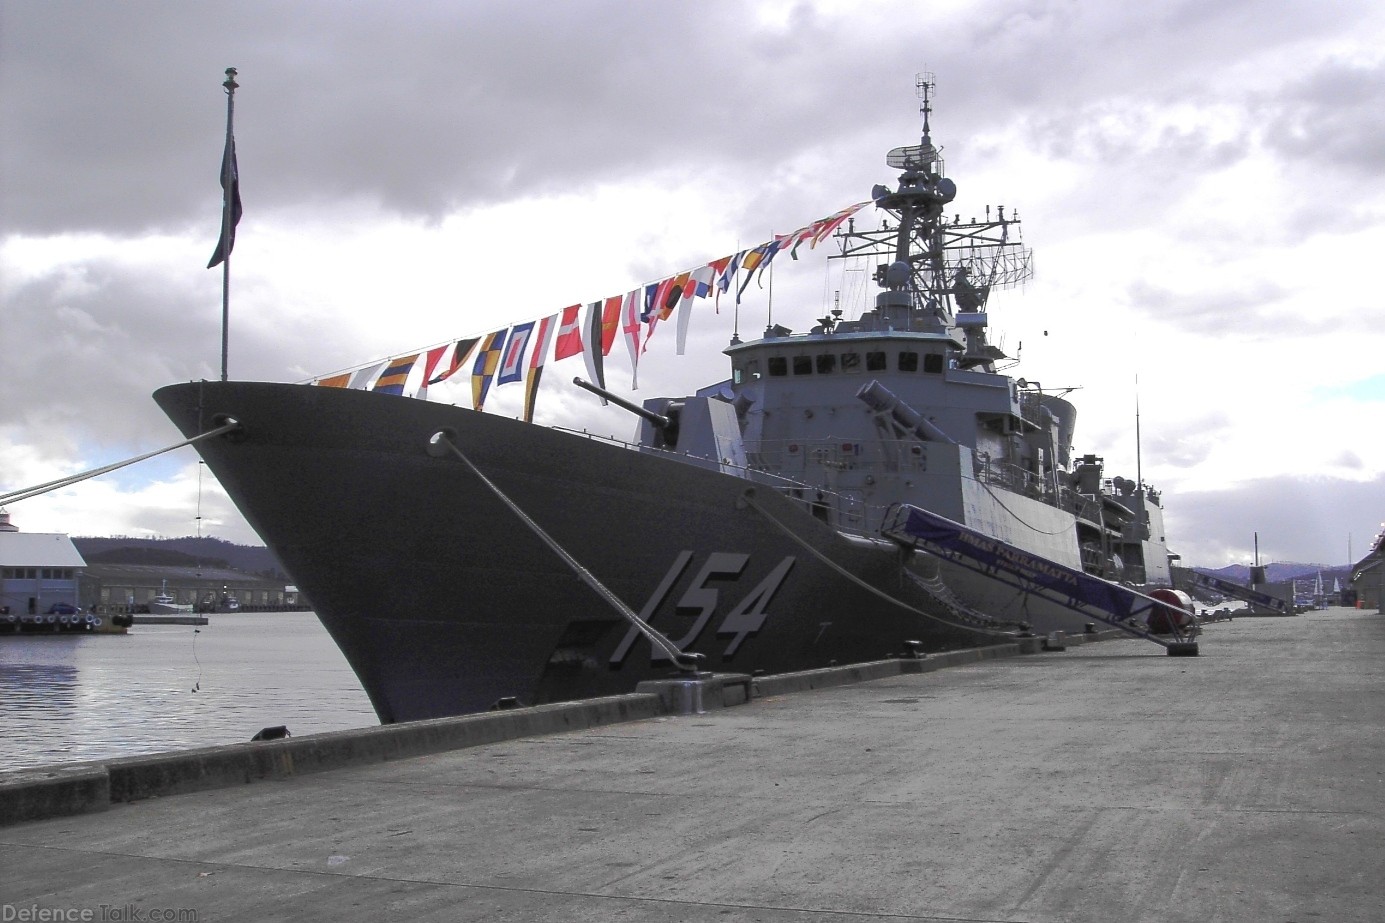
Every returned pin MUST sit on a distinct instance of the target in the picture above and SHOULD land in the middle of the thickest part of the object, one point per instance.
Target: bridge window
(851, 362)
(908, 362)
(933, 363)
(875, 362)
(803, 365)
(827, 364)
(778, 366)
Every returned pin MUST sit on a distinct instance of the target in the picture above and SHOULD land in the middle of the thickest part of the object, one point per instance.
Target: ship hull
(444, 600)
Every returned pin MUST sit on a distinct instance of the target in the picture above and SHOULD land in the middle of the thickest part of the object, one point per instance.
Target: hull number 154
(701, 601)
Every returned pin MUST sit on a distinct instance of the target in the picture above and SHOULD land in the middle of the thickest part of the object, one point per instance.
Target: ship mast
(936, 273)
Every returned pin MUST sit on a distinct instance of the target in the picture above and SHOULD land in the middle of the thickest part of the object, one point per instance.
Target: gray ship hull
(444, 602)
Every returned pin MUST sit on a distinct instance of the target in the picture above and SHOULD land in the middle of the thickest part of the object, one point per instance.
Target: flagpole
(228, 190)
(736, 311)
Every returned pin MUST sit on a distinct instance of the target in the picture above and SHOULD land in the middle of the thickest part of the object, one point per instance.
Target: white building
(37, 569)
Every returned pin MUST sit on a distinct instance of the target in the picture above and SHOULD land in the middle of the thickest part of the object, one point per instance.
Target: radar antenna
(923, 155)
(936, 272)
(924, 86)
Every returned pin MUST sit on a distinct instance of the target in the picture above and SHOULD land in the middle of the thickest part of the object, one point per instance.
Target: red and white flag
(569, 342)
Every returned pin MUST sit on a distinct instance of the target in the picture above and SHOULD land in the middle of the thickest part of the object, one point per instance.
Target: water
(67, 698)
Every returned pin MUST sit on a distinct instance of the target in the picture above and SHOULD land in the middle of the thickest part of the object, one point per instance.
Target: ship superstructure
(905, 404)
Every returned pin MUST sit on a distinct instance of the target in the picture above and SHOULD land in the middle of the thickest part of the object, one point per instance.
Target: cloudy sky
(1200, 182)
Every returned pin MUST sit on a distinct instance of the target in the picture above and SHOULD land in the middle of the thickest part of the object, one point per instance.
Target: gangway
(1103, 600)
(1236, 591)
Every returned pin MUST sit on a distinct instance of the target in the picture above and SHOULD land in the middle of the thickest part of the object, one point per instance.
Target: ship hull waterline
(444, 603)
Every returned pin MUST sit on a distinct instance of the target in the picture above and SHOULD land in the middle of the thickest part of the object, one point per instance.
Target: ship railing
(1040, 487)
(1083, 507)
(1012, 477)
(1030, 404)
(753, 470)
(838, 509)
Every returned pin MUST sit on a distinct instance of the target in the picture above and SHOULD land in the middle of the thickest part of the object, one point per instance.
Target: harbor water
(69, 698)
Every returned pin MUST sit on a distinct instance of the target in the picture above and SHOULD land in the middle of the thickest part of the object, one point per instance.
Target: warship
(774, 521)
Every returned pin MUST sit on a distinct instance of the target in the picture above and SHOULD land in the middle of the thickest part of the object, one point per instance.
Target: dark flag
(230, 186)
(591, 347)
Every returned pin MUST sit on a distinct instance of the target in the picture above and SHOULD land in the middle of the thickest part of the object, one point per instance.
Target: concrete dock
(1107, 782)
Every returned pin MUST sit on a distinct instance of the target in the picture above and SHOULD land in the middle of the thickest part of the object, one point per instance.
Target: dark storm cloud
(1300, 519)
(85, 347)
(1332, 116)
(114, 111)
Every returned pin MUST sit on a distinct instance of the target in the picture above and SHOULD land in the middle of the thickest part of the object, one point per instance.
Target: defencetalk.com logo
(102, 913)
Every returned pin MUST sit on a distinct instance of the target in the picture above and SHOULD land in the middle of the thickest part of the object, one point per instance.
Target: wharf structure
(38, 570)
(1368, 576)
(121, 587)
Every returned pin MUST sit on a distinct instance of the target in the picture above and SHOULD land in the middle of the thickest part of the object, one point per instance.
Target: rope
(686, 662)
(749, 498)
(37, 489)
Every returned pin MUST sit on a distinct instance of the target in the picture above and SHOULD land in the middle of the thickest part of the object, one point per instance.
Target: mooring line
(686, 662)
(37, 489)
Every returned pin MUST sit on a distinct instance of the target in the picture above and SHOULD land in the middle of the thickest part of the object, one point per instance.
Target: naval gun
(666, 424)
(701, 428)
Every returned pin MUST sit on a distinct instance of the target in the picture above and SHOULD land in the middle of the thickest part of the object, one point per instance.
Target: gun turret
(667, 425)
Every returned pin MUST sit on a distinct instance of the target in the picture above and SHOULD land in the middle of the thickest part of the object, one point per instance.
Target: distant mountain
(1278, 573)
(158, 557)
(190, 550)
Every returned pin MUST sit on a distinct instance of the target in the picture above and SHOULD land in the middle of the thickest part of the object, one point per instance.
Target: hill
(190, 550)
(1279, 572)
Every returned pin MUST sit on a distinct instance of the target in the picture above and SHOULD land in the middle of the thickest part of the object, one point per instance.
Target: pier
(188, 619)
(1098, 782)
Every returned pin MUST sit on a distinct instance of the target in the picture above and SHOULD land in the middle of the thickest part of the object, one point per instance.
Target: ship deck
(1105, 782)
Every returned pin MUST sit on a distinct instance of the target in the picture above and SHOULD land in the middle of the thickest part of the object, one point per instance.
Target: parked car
(63, 609)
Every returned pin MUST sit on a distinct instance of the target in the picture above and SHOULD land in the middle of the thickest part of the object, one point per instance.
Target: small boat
(165, 604)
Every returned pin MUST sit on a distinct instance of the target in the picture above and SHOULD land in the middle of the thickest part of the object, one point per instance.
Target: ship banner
(634, 314)
(1101, 599)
